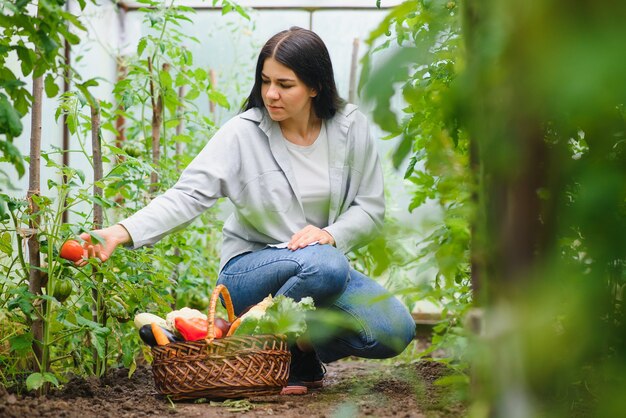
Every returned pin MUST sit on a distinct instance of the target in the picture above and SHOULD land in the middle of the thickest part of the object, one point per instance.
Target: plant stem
(20, 252)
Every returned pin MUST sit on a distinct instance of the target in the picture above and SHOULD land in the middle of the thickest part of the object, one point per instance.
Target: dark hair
(304, 52)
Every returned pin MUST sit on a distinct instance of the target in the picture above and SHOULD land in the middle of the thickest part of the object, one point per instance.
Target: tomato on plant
(62, 290)
(132, 150)
(118, 309)
(71, 250)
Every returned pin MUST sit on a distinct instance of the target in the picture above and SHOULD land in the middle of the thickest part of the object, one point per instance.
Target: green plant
(419, 47)
(528, 113)
(85, 312)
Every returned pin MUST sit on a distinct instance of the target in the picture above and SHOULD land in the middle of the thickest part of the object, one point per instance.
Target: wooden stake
(213, 85)
(98, 309)
(179, 150)
(96, 144)
(120, 120)
(157, 119)
(34, 184)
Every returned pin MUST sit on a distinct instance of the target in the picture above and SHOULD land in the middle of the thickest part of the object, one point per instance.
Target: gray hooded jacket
(247, 161)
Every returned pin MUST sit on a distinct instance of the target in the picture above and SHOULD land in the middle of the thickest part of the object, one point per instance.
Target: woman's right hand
(112, 237)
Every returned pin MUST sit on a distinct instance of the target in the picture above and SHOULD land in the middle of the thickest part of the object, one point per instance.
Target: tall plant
(35, 35)
(419, 49)
(73, 338)
(535, 113)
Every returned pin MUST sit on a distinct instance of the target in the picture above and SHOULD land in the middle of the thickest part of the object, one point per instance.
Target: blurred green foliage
(529, 97)
(418, 51)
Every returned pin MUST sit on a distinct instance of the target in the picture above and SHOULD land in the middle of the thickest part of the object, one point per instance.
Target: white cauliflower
(184, 313)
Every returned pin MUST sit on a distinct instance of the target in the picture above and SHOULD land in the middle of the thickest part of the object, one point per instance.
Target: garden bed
(353, 388)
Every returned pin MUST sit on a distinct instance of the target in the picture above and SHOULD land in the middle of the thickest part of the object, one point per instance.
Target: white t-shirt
(310, 166)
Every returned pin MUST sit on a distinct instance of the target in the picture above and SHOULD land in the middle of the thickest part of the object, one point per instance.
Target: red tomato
(71, 250)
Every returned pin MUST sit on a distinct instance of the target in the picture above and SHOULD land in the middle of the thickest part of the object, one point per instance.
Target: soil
(353, 388)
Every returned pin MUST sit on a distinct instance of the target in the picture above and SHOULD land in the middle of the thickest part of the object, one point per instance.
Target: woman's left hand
(308, 235)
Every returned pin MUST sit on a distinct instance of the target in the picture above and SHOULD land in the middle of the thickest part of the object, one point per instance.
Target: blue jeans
(355, 316)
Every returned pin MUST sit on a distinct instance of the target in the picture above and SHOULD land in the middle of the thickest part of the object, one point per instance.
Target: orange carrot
(159, 335)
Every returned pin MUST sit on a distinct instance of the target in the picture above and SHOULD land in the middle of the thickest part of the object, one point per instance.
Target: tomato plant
(80, 337)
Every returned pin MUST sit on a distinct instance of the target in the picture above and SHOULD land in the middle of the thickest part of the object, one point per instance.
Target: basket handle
(219, 289)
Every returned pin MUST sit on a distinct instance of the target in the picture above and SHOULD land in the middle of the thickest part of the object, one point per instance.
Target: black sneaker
(306, 371)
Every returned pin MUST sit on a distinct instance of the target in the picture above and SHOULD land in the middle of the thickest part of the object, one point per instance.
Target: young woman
(303, 174)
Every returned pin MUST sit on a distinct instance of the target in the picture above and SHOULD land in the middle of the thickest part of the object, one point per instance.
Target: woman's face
(285, 96)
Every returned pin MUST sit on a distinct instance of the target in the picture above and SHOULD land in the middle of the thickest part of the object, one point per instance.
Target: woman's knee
(391, 330)
(328, 266)
(367, 337)
(397, 339)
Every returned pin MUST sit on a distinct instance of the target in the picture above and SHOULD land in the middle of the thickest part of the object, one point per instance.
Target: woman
(302, 172)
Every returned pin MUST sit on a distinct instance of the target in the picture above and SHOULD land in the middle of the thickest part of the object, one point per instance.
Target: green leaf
(27, 57)
(83, 88)
(48, 44)
(219, 98)
(165, 79)
(5, 244)
(132, 368)
(192, 94)
(141, 46)
(49, 377)
(35, 381)
(403, 149)
(98, 340)
(50, 86)
(21, 344)
(381, 84)
(23, 300)
(81, 175)
(200, 74)
(99, 329)
(13, 155)
(10, 123)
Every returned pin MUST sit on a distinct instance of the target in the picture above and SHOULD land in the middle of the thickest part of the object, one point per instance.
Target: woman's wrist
(330, 237)
(120, 234)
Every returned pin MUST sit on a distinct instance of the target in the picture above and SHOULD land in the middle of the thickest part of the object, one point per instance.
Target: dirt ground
(353, 388)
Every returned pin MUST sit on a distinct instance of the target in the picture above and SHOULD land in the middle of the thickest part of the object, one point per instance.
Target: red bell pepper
(194, 329)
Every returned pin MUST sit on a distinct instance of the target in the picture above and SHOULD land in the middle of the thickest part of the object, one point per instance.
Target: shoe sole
(294, 390)
(314, 385)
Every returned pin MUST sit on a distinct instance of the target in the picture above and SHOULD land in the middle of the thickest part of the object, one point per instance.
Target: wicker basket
(230, 367)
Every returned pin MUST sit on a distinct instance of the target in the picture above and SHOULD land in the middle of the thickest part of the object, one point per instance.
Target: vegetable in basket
(185, 312)
(255, 311)
(159, 334)
(194, 329)
(146, 318)
(146, 335)
(280, 315)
